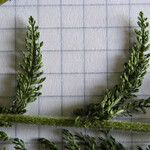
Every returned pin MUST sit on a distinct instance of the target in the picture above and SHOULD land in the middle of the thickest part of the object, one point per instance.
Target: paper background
(86, 43)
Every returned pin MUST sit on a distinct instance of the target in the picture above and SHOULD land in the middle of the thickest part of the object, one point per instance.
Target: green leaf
(29, 75)
(140, 148)
(3, 136)
(19, 144)
(116, 100)
(70, 141)
(48, 144)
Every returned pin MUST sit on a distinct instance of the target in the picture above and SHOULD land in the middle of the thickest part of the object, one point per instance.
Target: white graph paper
(86, 43)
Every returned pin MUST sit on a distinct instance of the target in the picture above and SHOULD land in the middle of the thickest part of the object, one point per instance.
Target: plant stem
(3, 1)
(70, 122)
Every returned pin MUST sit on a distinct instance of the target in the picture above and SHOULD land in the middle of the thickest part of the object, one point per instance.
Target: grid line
(141, 95)
(124, 142)
(107, 39)
(84, 69)
(69, 5)
(15, 59)
(39, 128)
(69, 50)
(131, 119)
(75, 28)
(61, 45)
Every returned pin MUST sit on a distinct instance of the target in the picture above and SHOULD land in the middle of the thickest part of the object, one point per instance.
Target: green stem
(70, 122)
(3, 1)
